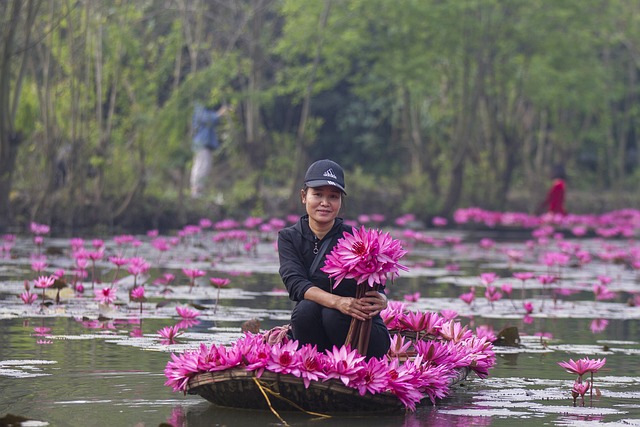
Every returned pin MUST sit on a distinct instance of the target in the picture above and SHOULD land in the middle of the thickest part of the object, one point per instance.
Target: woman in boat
(322, 314)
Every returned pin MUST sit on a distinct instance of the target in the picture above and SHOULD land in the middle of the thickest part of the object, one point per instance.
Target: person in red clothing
(554, 202)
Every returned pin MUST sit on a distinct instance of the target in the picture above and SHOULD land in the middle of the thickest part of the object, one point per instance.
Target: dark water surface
(94, 371)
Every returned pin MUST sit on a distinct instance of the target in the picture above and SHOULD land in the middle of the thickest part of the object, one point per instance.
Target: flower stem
(359, 330)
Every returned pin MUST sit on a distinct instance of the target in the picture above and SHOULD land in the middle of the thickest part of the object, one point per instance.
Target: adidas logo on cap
(329, 173)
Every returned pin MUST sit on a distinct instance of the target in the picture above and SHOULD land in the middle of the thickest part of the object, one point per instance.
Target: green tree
(19, 18)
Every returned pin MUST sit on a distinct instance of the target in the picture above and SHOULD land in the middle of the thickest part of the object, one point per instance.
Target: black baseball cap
(325, 172)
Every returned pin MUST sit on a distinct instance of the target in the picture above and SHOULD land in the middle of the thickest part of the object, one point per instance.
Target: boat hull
(240, 388)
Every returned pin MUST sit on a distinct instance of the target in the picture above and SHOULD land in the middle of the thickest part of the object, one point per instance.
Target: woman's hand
(374, 302)
(364, 308)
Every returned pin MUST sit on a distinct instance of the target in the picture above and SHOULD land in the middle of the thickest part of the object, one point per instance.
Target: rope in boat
(264, 390)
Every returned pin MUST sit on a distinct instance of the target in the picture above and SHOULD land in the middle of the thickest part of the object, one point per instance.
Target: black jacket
(295, 249)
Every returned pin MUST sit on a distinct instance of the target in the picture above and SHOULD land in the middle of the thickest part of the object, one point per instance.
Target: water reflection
(202, 415)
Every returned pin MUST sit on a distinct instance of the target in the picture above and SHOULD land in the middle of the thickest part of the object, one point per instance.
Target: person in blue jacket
(322, 314)
(204, 141)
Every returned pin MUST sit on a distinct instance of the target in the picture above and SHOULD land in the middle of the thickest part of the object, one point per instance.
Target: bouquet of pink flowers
(367, 256)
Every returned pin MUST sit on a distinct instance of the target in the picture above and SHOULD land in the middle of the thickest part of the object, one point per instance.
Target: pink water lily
(169, 334)
(547, 279)
(28, 298)
(425, 322)
(514, 255)
(218, 282)
(448, 314)
(555, 258)
(439, 221)
(106, 295)
(604, 280)
(138, 266)
(486, 243)
(161, 244)
(38, 265)
(403, 381)
(579, 389)
(192, 274)
(137, 295)
(180, 370)
(602, 293)
(399, 345)
(392, 314)
(582, 366)
(433, 381)
(488, 278)
(39, 229)
(95, 255)
(454, 331)
(523, 275)
(373, 378)
(81, 260)
(367, 256)
(44, 282)
(218, 358)
(598, 325)
(283, 359)
(479, 351)
(187, 312)
(468, 297)
(492, 294)
(435, 352)
(187, 323)
(344, 364)
(256, 352)
(412, 297)
(486, 331)
(528, 307)
(41, 330)
(311, 364)
(77, 244)
(506, 288)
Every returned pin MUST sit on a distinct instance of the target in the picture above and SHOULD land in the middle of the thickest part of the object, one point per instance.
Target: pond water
(103, 365)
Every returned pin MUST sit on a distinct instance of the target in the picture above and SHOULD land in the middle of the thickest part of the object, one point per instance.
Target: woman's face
(322, 203)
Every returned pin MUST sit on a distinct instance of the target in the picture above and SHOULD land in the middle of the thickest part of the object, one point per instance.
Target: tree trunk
(12, 54)
(463, 133)
(420, 153)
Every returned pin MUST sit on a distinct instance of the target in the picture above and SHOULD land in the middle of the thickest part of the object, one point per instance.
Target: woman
(554, 201)
(322, 315)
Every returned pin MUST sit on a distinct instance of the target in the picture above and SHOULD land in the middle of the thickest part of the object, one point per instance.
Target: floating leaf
(251, 325)
(13, 420)
(59, 284)
(198, 306)
(509, 336)
(163, 303)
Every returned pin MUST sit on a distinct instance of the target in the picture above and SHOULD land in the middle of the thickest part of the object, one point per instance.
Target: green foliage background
(428, 105)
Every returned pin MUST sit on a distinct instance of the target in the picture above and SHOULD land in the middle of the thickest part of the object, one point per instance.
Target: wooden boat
(240, 388)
